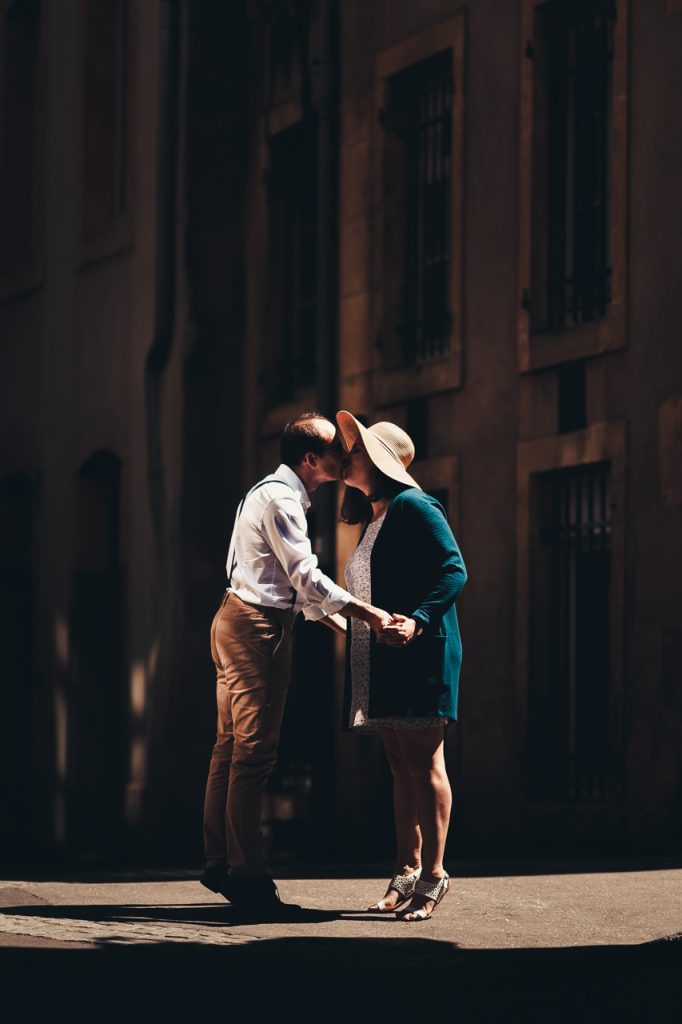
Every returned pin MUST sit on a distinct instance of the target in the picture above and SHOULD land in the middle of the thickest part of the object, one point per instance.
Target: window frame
(277, 115)
(602, 442)
(536, 350)
(391, 385)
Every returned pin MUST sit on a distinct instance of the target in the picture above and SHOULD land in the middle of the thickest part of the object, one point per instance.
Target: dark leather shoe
(259, 895)
(217, 880)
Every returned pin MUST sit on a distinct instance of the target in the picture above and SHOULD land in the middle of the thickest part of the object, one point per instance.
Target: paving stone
(116, 932)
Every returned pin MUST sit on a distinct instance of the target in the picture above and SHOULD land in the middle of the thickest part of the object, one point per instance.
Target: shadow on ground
(326, 979)
(205, 914)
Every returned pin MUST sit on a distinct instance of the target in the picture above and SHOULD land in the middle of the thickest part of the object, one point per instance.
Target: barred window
(569, 700)
(573, 71)
(421, 115)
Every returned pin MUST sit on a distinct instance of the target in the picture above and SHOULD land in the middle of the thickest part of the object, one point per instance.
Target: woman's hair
(356, 506)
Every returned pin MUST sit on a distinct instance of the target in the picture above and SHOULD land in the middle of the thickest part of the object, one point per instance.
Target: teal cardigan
(416, 569)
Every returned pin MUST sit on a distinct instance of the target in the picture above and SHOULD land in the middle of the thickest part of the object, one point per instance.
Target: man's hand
(399, 632)
(378, 620)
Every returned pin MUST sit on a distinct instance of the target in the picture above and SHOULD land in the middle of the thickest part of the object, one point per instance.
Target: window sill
(539, 351)
(390, 386)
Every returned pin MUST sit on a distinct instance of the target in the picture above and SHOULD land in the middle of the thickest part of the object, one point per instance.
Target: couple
(402, 665)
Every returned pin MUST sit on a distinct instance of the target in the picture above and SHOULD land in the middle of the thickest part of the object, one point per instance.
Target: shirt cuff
(329, 606)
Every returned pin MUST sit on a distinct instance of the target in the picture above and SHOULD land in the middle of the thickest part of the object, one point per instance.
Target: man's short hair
(300, 436)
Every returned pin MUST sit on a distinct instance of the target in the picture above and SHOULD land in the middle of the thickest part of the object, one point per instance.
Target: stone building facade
(462, 217)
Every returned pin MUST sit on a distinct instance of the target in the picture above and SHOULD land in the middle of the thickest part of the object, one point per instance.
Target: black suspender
(233, 544)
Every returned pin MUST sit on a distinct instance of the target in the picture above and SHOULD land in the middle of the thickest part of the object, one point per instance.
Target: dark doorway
(96, 767)
(16, 610)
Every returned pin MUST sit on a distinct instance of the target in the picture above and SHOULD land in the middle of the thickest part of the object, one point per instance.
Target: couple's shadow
(181, 913)
(210, 915)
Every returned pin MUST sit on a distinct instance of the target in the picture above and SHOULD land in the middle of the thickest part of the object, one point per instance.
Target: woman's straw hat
(390, 448)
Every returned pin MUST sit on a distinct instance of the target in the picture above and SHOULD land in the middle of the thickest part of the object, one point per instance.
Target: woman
(404, 684)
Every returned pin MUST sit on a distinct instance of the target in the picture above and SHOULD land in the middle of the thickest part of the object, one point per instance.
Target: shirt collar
(287, 474)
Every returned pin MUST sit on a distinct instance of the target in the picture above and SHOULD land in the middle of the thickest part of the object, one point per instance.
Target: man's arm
(335, 622)
(376, 618)
(286, 530)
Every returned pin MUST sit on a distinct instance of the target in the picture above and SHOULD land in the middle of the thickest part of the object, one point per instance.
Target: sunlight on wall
(61, 724)
(142, 671)
(137, 768)
(138, 690)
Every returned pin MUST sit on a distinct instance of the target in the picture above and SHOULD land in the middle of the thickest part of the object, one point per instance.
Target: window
(293, 258)
(570, 612)
(20, 127)
(573, 162)
(572, 397)
(571, 269)
(418, 168)
(420, 112)
(569, 699)
(105, 129)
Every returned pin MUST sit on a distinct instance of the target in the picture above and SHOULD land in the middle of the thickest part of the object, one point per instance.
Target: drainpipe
(165, 255)
(326, 80)
(158, 713)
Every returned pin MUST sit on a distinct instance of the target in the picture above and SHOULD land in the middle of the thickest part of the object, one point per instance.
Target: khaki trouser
(251, 648)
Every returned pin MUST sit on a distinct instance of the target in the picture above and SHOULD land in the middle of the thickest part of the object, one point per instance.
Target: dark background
(462, 217)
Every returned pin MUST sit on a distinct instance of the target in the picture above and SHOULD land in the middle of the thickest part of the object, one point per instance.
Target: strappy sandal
(430, 892)
(403, 884)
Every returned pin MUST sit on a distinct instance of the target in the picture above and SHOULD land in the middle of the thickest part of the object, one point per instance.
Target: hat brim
(380, 455)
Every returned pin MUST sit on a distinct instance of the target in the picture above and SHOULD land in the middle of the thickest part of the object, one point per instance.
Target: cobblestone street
(604, 942)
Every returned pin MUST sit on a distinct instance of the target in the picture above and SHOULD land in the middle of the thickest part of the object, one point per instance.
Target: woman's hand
(399, 632)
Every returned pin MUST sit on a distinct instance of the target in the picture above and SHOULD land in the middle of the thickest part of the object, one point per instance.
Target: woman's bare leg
(408, 835)
(424, 752)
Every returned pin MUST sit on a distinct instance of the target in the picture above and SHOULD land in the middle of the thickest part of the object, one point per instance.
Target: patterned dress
(359, 584)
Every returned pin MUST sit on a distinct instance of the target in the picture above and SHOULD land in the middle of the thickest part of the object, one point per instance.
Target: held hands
(398, 632)
(378, 620)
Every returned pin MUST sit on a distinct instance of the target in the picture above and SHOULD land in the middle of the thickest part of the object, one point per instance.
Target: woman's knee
(428, 769)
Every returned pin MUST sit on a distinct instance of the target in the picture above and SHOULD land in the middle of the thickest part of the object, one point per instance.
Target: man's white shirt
(270, 555)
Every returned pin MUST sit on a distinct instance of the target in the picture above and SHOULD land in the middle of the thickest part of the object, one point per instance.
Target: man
(272, 575)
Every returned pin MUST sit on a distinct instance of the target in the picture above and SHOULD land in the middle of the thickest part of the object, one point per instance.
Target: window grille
(570, 636)
(421, 110)
(576, 65)
(582, 556)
